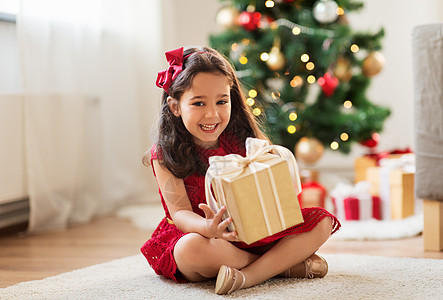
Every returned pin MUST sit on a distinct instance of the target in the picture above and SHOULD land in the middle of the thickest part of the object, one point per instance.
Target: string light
(347, 104)
(292, 116)
(252, 93)
(304, 57)
(296, 30)
(305, 30)
(256, 111)
(310, 66)
(292, 129)
(250, 101)
(344, 136)
(311, 79)
(334, 145)
(275, 95)
(355, 48)
(269, 3)
(264, 56)
(296, 81)
(340, 11)
(243, 60)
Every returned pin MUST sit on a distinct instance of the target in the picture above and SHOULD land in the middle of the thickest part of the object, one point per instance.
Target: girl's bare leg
(199, 258)
(287, 252)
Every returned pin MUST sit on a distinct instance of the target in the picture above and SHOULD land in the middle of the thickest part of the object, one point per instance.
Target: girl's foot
(314, 267)
(229, 280)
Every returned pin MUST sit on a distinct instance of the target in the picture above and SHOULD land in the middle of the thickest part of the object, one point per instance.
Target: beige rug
(350, 277)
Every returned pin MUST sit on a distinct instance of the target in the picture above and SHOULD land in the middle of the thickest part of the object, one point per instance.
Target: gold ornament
(309, 150)
(276, 60)
(227, 17)
(343, 70)
(373, 64)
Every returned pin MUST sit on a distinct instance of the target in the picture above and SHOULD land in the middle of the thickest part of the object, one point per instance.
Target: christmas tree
(305, 71)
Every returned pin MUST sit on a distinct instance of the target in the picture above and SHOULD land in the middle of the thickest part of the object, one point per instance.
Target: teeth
(208, 127)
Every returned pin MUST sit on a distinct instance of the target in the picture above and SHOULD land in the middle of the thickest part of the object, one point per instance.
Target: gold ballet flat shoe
(229, 280)
(314, 267)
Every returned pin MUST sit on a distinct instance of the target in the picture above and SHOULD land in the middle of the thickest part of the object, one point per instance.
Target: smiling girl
(204, 113)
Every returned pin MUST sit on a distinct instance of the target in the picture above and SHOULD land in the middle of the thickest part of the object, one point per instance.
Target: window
(9, 6)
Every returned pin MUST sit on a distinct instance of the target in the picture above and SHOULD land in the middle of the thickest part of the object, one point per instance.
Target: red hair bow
(166, 77)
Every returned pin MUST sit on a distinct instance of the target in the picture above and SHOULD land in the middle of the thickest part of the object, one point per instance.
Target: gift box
(373, 177)
(401, 194)
(259, 190)
(362, 164)
(355, 202)
(393, 182)
(355, 208)
(313, 195)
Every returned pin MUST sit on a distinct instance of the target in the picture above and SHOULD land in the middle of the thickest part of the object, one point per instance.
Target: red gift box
(354, 202)
(352, 208)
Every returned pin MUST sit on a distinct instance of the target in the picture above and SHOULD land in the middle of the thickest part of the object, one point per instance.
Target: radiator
(14, 213)
(14, 200)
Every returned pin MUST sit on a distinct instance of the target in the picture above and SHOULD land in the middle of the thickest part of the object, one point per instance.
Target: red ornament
(249, 20)
(328, 84)
(372, 142)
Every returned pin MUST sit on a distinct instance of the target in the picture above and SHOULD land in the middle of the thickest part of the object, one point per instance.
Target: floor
(24, 258)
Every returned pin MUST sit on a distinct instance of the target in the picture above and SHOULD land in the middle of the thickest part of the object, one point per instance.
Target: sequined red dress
(159, 249)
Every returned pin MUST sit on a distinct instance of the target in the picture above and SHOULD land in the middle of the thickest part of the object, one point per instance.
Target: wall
(187, 23)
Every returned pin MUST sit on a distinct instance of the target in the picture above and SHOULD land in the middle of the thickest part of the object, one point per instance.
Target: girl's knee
(325, 226)
(191, 248)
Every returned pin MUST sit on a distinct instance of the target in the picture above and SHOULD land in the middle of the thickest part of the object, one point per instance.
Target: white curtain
(88, 68)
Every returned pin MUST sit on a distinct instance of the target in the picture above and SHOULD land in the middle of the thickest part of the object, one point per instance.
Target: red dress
(159, 249)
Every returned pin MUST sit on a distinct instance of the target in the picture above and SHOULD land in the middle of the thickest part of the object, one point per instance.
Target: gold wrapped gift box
(401, 195)
(262, 199)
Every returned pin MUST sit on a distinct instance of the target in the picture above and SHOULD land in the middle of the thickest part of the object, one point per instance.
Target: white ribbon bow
(405, 162)
(257, 151)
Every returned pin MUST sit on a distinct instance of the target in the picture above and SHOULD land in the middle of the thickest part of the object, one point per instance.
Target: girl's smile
(205, 108)
(208, 127)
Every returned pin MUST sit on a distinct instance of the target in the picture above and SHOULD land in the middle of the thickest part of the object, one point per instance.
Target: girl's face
(205, 108)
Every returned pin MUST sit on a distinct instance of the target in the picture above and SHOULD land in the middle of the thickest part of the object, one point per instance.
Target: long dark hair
(175, 145)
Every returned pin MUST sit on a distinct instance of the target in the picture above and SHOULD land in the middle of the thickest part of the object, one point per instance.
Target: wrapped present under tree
(393, 182)
(363, 163)
(355, 202)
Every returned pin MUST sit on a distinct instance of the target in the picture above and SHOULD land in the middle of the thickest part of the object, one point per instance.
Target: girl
(203, 113)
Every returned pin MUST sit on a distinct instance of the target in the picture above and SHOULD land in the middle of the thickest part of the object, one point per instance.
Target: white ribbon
(384, 174)
(361, 191)
(257, 151)
(406, 162)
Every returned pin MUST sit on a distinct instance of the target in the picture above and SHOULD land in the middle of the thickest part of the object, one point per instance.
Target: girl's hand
(217, 228)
